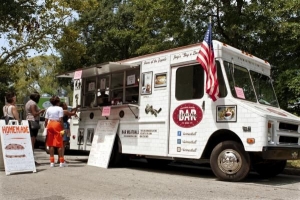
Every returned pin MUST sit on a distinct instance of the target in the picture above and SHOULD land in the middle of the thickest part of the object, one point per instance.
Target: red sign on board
(187, 115)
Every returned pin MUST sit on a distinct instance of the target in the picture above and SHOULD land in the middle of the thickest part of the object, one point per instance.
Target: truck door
(186, 110)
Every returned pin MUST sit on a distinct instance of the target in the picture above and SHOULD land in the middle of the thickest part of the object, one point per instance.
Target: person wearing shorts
(33, 114)
(54, 124)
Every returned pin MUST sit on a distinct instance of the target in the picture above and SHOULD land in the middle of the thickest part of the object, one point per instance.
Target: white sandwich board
(103, 143)
(16, 147)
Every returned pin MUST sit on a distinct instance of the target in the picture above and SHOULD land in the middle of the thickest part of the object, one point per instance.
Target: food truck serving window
(89, 91)
(116, 87)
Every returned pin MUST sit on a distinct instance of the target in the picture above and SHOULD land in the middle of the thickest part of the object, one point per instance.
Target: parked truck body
(165, 114)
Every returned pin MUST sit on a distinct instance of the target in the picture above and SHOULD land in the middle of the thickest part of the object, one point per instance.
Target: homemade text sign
(16, 147)
(103, 143)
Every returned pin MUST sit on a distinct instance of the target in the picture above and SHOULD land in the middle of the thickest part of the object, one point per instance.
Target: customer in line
(54, 124)
(67, 115)
(33, 116)
(10, 108)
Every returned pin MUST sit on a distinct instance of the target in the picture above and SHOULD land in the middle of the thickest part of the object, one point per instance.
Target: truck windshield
(240, 82)
(264, 89)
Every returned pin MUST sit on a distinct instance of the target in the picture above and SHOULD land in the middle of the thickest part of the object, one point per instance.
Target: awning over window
(98, 69)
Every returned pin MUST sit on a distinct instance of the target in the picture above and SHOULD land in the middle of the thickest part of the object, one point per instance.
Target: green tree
(29, 25)
(26, 26)
(38, 74)
(115, 30)
(267, 29)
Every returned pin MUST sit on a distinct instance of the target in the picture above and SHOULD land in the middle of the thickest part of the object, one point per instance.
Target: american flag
(206, 58)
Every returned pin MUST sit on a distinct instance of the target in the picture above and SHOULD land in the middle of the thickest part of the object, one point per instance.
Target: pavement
(83, 158)
(73, 158)
(291, 171)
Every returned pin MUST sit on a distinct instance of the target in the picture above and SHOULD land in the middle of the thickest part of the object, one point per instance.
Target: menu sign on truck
(103, 143)
(16, 147)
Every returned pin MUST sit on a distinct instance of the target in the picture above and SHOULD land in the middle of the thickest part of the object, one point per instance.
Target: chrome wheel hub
(229, 161)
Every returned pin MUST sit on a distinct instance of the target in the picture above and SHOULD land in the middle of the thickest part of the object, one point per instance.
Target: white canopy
(98, 69)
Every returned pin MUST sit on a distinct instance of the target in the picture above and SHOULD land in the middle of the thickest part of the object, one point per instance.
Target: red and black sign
(187, 115)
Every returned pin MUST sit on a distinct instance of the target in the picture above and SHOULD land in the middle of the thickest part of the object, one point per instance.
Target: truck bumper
(281, 153)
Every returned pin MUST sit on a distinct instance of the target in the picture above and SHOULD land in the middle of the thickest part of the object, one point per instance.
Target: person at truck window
(10, 108)
(33, 114)
(67, 133)
(102, 100)
(54, 124)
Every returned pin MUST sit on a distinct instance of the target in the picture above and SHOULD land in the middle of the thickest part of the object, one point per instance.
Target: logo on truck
(187, 115)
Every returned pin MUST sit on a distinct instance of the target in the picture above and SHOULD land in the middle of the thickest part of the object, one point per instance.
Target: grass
(293, 163)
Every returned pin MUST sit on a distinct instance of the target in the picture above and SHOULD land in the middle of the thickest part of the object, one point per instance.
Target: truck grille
(287, 134)
(288, 140)
(286, 126)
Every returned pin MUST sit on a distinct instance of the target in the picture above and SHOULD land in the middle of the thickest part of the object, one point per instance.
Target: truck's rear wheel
(269, 168)
(229, 161)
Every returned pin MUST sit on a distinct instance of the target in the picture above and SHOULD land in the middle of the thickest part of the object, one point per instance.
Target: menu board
(103, 143)
(16, 147)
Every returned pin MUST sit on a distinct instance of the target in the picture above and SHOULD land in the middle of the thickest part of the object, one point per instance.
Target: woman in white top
(10, 108)
(54, 124)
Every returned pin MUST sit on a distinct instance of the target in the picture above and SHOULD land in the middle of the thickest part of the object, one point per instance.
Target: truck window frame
(196, 84)
(116, 88)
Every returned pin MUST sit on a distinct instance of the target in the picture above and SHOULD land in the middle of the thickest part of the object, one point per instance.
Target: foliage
(115, 30)
(38, 75)
(27, 27)
(160, 25)
(31, 25)
(111, 30)
(293, 164)
(267, 29)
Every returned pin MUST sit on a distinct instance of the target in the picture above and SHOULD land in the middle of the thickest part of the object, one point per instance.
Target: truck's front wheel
(229, 161)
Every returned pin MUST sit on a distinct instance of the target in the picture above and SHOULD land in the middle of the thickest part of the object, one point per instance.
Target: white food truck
(164, 113)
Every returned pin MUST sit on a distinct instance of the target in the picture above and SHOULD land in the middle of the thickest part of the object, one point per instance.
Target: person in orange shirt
(54, 124)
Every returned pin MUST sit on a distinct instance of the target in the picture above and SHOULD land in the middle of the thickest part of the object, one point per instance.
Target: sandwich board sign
(16, 147)
(103, 143)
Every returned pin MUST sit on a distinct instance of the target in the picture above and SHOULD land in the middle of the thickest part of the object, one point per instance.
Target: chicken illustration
(152, 110)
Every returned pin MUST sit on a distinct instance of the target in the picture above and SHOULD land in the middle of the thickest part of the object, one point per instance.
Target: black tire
(269, 168)
(229, 161)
